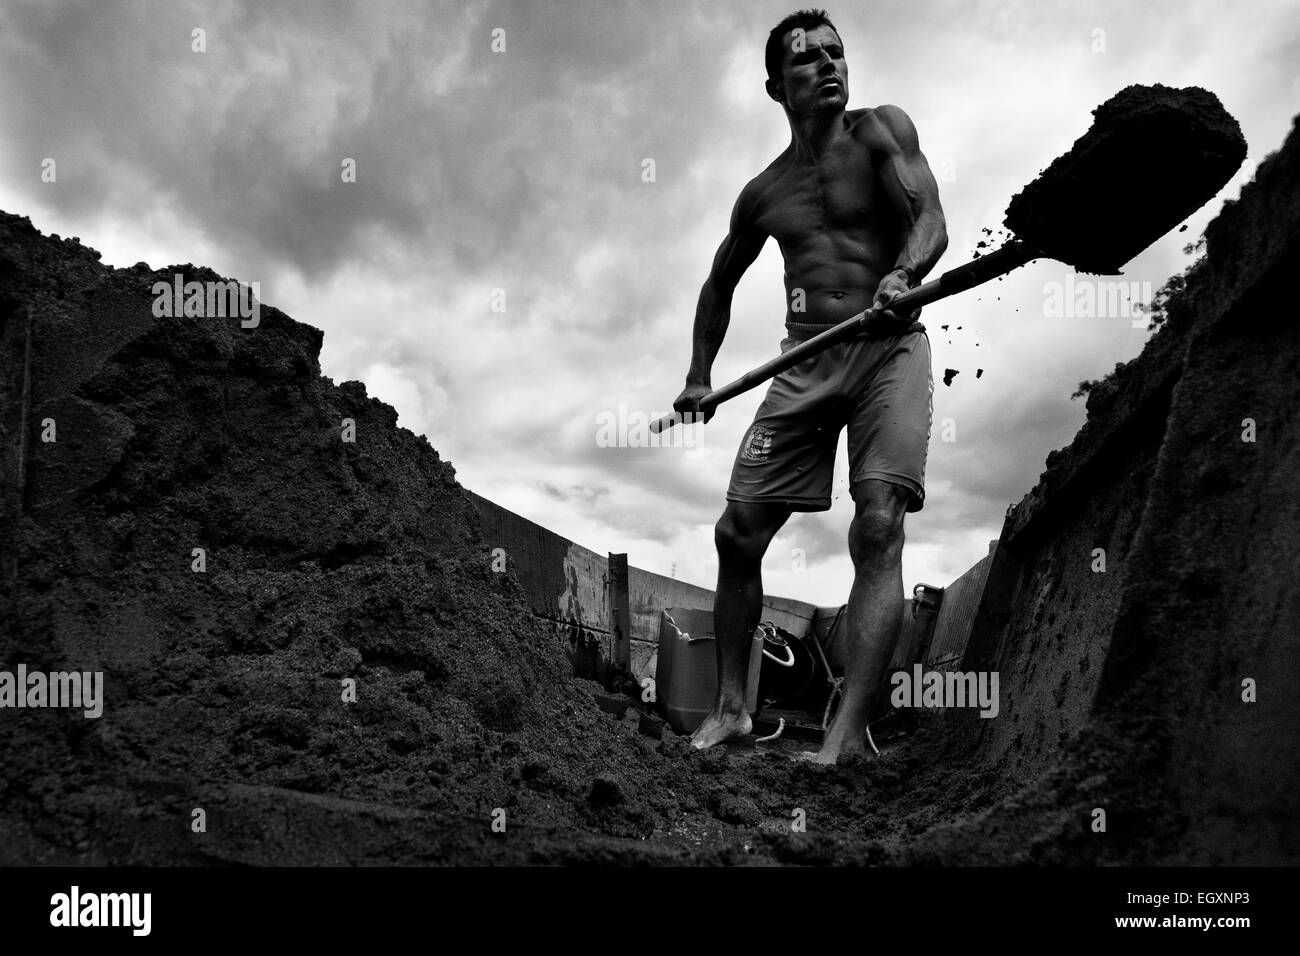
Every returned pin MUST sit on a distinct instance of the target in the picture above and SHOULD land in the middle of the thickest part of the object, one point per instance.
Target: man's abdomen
(827, 306)
(834, 277)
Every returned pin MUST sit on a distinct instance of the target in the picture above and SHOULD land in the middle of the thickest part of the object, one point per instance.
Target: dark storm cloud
(465, 157)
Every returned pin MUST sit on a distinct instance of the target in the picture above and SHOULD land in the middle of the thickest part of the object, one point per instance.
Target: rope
(770, 636)
(837, 683)
(780, 728)
(837, 690)
(872, 742)
(680, 633)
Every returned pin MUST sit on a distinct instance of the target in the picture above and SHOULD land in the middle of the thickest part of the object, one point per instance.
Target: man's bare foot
(718, 727)
(840, 743)
(832, 752)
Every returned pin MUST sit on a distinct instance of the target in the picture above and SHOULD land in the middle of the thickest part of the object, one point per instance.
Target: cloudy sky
(521, 170)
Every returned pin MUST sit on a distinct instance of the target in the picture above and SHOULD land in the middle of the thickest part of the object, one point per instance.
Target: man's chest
(841, 192)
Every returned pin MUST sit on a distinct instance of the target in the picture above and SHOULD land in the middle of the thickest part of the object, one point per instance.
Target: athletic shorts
(881, 388)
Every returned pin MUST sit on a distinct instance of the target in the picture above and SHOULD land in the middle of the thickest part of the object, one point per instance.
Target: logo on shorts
(758, 444)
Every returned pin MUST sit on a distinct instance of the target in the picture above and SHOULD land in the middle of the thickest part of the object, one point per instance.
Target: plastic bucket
(686, 673)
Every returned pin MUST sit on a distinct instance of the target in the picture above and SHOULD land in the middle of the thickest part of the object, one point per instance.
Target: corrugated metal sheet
(961, 600)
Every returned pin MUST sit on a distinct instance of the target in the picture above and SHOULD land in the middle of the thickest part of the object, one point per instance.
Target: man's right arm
(713, 311)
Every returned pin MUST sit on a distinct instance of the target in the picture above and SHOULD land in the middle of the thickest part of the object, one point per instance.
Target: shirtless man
(855, 209)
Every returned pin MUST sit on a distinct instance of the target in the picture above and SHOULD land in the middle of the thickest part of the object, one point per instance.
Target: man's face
(813, 74)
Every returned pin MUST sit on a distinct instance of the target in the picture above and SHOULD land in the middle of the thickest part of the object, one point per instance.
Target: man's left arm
(911, 188)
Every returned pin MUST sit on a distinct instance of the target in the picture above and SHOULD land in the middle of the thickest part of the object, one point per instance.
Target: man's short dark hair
(800, 19)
